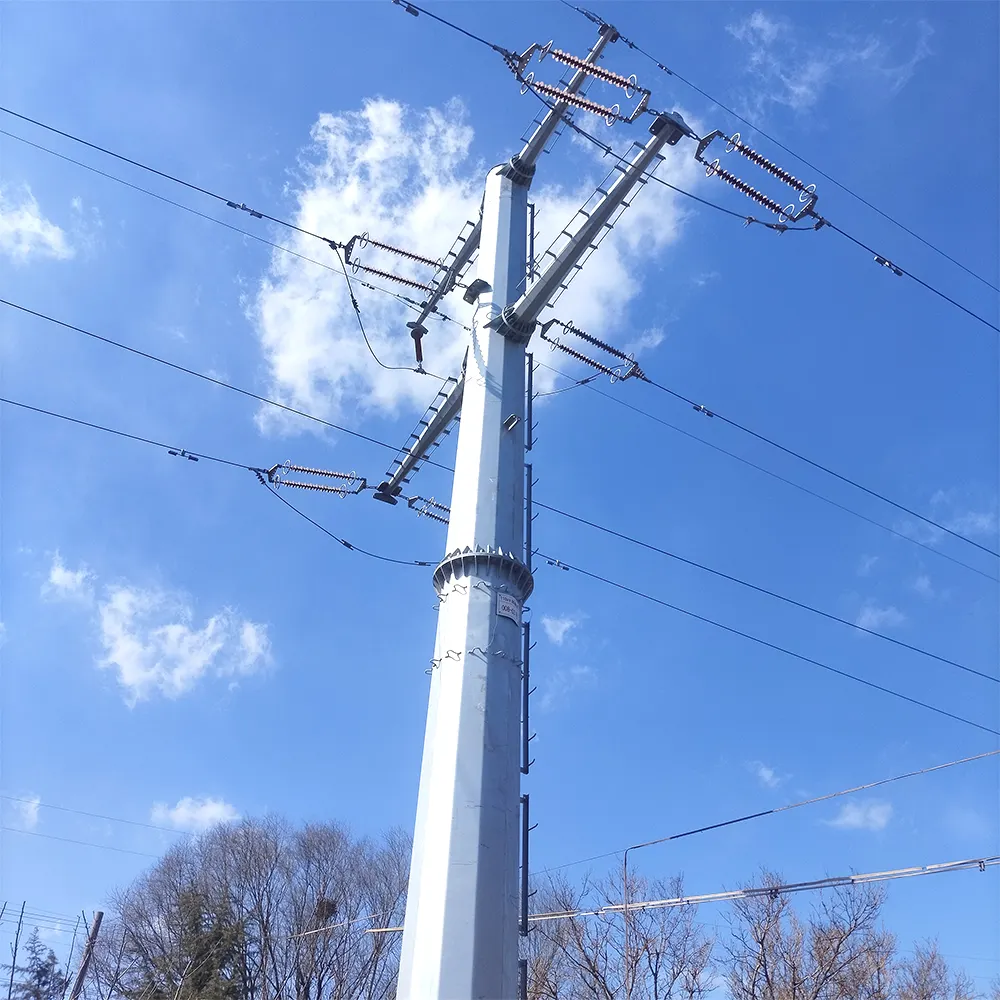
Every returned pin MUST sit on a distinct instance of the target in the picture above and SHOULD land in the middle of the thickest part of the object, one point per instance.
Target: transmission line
(776, 809)
(596, 19)
(93, 815)
(559, 564)
(81, 843)
(761, 590)
(408, 302)
(608, 151)
(768, 472)
(818, 465)
(229, 202)
(198, 456)
(207, 378)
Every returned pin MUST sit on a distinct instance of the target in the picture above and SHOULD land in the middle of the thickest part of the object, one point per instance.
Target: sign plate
(509, 607)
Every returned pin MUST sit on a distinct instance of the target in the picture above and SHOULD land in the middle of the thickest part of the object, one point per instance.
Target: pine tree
(40, 978)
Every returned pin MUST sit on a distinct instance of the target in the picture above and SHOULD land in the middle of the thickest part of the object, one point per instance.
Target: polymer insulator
(402, 253)
(433, 516)
(610, 372)
(750, 192)
(569, 328)
(349, 476)
(389, 276)
(339, 490)
(628, 84)
(765, 164)
(577, 101)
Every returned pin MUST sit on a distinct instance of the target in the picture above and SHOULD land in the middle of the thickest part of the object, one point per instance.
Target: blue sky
(180, 648)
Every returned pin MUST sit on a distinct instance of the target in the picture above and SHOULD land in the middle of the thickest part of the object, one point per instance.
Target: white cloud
(194, 815)
(767, 776)
(407, 177)
(562, 682)
(68, 584)
(796, 73)
(557, 629)
(975, 523)
(871, 815)
(701, 280)
(150, 640)
(874, 617)
(3, 633)
(26, 811)
(757, 28)
(26, 233)
(922, 586)
(648, 340)
(866, 565)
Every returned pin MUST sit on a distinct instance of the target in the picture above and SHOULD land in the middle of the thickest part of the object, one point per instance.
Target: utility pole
(460, 935)
(88, 954)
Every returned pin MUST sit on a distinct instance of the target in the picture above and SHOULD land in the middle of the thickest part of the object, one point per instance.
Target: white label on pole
(509, 607)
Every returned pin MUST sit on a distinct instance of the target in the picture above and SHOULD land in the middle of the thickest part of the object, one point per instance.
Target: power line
(409, 303)
(780, 227)
(761, 590)
(670, 72)
(559, 564)
(230, 203)
(778, 809)
(830, 882)
(818, 465)
(197, 456)
(93, 815)
(897, 269)
(80, 843)
(343, 541)
(773, 475)
(207, 378)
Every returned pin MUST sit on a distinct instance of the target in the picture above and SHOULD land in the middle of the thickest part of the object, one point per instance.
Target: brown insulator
(599, 72)
(576, 101)
(746, 189)
(389, 276)
(765, 164)
(404, 253)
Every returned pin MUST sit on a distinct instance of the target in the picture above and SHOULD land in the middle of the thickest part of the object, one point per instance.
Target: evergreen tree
(40, 978)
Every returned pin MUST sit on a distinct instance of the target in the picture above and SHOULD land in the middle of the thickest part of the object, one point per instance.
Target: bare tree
(260, 911)
(926, 976)
(668, 955)
(839, 951)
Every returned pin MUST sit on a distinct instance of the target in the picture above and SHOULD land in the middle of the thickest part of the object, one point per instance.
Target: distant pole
(13, 951)
(88, 954)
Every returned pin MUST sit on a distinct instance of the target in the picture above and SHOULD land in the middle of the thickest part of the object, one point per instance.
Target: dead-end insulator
(356, 266)
(715, 168)
(610, 115)
(365, 240)
(764, 163)
(627, 83)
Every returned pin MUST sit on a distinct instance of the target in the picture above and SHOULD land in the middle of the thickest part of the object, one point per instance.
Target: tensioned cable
(775, 475)
(81, 843)
(778, 809)
(725, 896)
(559, 564)
(211, 379)
(780, 227)
(197, 456)
(776, 226)
(230, 203)
(818, 465)
(93, 815)
(596, 19)
(410, 303)
(343, 541)
(761, 590)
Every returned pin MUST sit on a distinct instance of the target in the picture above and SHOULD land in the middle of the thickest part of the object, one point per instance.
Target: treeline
(260, 910)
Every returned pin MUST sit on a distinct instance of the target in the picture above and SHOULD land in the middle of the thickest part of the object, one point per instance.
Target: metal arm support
(524, 162)
(520, 318)
(392, 487)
